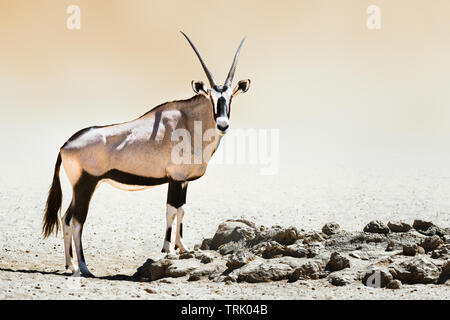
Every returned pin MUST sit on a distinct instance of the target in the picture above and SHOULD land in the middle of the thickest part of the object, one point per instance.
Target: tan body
(142, 147)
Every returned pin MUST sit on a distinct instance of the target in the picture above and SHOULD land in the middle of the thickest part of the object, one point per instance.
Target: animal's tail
(54, 201)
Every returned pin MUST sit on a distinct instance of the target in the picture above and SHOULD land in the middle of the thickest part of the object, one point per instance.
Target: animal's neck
(201, 110)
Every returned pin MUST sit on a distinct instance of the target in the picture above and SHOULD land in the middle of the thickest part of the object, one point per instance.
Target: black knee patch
(68, 215)
(168, 234)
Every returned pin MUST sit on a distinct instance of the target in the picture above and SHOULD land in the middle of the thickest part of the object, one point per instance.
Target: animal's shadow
(117, 277)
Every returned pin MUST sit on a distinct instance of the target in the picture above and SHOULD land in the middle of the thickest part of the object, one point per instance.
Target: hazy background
(343, 96)
(318, 72)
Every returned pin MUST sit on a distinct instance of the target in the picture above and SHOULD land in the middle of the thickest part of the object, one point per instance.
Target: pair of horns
(205, 68)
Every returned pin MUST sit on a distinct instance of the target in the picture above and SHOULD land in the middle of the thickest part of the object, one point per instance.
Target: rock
(445, 272)
(205, 257)
(196, 276)
(150, 291)
(442, 252)
(314, 250)
(291, 261)
(359, 255)
(308, 270)
(239, 259)
(399, 226)
(257, 271)
(377, 277)
(296, 250)
(446, 268)
(230, 247)
(186, 255)
(394, 284)
(340, 278)
(337, 262)
(313, 237)
(431, 243)
(154, 270)
(446, 238)
(415, 270)
(206, 243)
(331, 228)
(370, 238)
(284, 236)
(273, 249)
(422, 225)
(348, 241)
(204, 271)
(410, 249)
(231, 231)
(243, 251)
(180, 268)
(391, 245)
(434, 230)
(376, 226)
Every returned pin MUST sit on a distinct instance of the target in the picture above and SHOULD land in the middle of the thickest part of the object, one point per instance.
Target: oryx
(138, 154)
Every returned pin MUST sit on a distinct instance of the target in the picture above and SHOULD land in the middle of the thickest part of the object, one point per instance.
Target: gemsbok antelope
(137, 155)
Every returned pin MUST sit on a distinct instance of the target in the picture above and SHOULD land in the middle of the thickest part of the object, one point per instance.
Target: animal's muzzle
(222, 123)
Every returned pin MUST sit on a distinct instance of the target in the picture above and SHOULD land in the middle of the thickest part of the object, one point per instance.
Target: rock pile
(382, 255)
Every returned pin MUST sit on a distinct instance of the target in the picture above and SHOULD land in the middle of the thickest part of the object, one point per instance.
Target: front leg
(176, 198)
(179, 237)
(171, 213)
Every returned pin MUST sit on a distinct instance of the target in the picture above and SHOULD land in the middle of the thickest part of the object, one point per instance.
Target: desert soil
(124, 229)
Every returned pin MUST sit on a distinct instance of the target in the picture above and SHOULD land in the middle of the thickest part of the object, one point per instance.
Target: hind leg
(67, 231)
(83, 191)
(77, 228)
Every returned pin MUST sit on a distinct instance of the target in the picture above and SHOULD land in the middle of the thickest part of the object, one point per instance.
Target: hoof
(84, 271)
(77, 273)
(80, 273)
(70, 269)
(167, 248)
(87, 274)
(171, 256)
(183, 249)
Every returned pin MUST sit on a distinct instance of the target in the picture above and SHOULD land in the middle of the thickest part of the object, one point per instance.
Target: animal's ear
(199, 87)
(241, 87)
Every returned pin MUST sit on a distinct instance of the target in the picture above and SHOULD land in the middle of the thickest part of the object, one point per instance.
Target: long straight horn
(205, 68)
(233, 66)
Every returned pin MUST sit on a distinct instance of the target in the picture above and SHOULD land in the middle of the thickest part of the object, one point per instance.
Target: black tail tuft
(54, 201)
